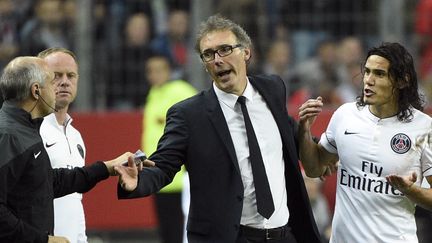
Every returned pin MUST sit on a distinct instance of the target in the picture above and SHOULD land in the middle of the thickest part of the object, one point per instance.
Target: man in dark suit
(245, 185)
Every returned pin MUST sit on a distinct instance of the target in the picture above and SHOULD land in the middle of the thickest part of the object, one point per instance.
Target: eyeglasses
(222, 51)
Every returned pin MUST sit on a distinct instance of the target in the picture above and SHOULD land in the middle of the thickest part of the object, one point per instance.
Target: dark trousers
(249, 235)
(424, 222)
(170, 216)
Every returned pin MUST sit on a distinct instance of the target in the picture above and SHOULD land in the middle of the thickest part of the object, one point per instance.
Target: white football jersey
(66, 149)
(367, 208)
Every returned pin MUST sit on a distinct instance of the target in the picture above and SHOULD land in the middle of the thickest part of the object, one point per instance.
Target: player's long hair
(404, 78)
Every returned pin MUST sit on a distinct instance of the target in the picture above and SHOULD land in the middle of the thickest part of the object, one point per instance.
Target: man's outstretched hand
(128, 175)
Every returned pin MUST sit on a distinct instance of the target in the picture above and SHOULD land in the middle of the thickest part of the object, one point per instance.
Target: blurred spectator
(179, 4)
(241, 12)
(319, 206)
(318, 76)
(99, 14)
(254, 63)
(311, 22)
(46, 28)
(350, 56)
(127, 85)
(23, 9)
(278, 62)
(123, 9)
(423, 30)
(8, 32)
(70, 14)
(100, 57)
(164, 93)
(174, 43)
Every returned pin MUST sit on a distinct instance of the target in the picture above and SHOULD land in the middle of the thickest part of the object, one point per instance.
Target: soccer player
(383, 143)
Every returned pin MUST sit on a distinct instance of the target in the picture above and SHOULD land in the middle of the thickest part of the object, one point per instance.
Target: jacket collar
(20, 115)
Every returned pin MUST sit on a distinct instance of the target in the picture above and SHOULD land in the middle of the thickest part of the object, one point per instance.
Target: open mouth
(368, 92)
(221, 74)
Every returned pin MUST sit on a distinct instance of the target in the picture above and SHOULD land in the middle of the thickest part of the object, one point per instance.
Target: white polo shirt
(368, 209)
(66, 149)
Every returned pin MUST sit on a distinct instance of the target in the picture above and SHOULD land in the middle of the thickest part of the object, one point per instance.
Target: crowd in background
(315, 46)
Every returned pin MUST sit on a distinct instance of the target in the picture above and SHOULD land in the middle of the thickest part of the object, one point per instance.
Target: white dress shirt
(270, 143)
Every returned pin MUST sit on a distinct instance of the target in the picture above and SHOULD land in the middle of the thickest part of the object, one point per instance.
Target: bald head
(20, 74)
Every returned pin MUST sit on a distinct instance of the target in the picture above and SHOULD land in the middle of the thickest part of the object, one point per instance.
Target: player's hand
(308, 112)
(57, 239)
(330, 170)
(128, 175)
(402, 183)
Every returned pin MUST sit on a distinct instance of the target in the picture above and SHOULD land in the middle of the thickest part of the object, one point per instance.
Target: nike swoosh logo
(350, 133)
(49, 145)
(37, 155)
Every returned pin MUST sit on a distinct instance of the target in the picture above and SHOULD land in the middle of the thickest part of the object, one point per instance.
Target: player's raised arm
(313, 156)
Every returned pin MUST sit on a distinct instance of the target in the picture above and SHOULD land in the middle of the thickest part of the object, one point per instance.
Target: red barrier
(107, 135)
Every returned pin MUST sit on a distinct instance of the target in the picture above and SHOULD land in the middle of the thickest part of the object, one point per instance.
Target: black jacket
(28, 184)
(197, 134)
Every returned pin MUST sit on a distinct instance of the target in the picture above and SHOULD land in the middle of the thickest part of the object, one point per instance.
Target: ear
(35, 91)
(247, 55)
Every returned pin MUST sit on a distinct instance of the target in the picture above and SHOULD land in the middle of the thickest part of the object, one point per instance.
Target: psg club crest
(400, 143)
(80, 150)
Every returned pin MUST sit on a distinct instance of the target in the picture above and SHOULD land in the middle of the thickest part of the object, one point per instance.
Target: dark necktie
(262, 188)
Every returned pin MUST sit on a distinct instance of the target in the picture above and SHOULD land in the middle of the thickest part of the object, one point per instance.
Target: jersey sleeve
(426, 160)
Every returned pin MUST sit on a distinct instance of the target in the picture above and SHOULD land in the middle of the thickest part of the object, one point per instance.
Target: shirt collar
(51, 118)
(376, 119)
(231, 99)
(20, 115)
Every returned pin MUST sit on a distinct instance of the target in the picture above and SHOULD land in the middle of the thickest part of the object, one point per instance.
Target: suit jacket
(197, 135)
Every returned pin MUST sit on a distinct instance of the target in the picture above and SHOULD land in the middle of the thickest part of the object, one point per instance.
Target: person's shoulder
(349, 107)
(270, 82)
(421, 116)
(49, 119)
(73, 129)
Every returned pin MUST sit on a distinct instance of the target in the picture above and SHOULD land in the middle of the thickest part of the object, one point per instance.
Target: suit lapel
(217, 118)
(270, 97)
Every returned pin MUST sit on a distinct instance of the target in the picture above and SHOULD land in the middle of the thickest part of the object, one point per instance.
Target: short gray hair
(19, 75)
(219, 23)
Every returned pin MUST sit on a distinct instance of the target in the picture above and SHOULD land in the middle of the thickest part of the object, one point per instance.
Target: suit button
(239, 198)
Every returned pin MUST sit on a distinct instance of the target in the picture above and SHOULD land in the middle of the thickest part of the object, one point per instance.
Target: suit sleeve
(169, 157)
(80, 179)
(13, 229)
